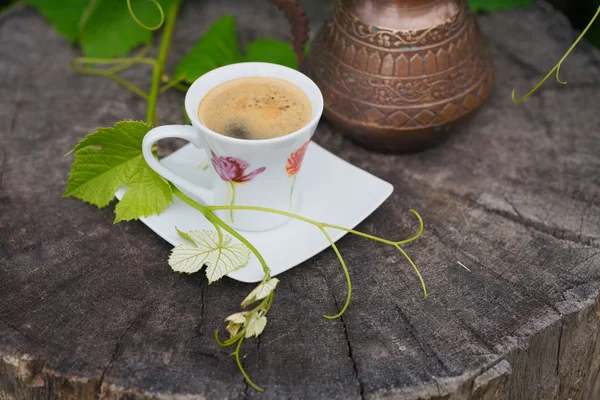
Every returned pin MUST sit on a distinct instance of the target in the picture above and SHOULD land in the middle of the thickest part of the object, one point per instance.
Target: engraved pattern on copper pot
(384, 84)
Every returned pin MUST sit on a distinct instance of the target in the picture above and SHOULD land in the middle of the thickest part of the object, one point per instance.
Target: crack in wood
(558, 233)
(350, 351)
(246, 385)
(24, 334)
(584, 261)
(115, 353)
(426, 349)
(258, 348)
(4, 159)
(351, 355)
(517, 217)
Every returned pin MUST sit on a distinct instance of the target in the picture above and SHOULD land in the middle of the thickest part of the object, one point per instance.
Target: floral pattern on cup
(233, 170)
(294, 162)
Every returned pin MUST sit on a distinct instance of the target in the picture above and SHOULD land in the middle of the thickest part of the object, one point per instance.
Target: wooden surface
(89, 308)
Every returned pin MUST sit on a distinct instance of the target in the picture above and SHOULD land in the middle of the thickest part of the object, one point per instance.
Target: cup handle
(185, 132)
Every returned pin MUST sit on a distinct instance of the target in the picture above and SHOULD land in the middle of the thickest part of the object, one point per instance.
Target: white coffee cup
(244, 172)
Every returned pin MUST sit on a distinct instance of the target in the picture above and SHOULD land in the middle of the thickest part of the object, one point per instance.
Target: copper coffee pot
(396, 75)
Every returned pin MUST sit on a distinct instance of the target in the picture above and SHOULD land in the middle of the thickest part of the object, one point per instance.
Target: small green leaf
(112, 157)
(237, 318)
(498, 5)
(236, 321)
(272, 51)
(218, 47)
(184, 236)
(233, 329)
(256, 325)
(63, 14)
(110, 31)
(220, 258)
(260, 292)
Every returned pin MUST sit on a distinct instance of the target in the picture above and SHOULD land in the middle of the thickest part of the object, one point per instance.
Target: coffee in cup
(255, 108)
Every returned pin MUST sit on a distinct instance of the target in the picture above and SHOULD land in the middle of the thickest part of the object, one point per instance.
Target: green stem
(558, 65)
(121, 65)
(269, 302)
(172, 83)
(108, 61)
(219, 232)
(214, 219)
(401, 250)
(232, 200)
(323, 224)
(140, 23)
(140, 54)
(160, 62)
(229, 341)
(232, 232)
(263, 303)
(348, 281)
(182, 87)
(109, 74)
(177, 83)
(239, 364)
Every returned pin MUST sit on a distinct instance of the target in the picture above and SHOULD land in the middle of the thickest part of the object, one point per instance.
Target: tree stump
(89, 308)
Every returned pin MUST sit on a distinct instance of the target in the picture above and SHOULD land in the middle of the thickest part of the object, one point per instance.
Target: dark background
(580, 13)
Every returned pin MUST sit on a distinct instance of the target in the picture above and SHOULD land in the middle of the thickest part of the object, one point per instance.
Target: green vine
(556, 68)
(140, 23)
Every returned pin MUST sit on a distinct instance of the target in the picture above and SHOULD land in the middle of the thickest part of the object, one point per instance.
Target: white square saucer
(339, 194)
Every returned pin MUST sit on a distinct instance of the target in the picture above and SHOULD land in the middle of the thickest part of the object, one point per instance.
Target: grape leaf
(112, 157)
(497, 5)
(260, 292)
(63, 14)
(256, 325)
(236, 321)
(237, 318)
(218, 47)
(147, 194)
(204, 248)
(110, 31)
(272, 51)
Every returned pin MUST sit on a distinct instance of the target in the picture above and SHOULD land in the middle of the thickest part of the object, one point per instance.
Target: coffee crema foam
(255, 108)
